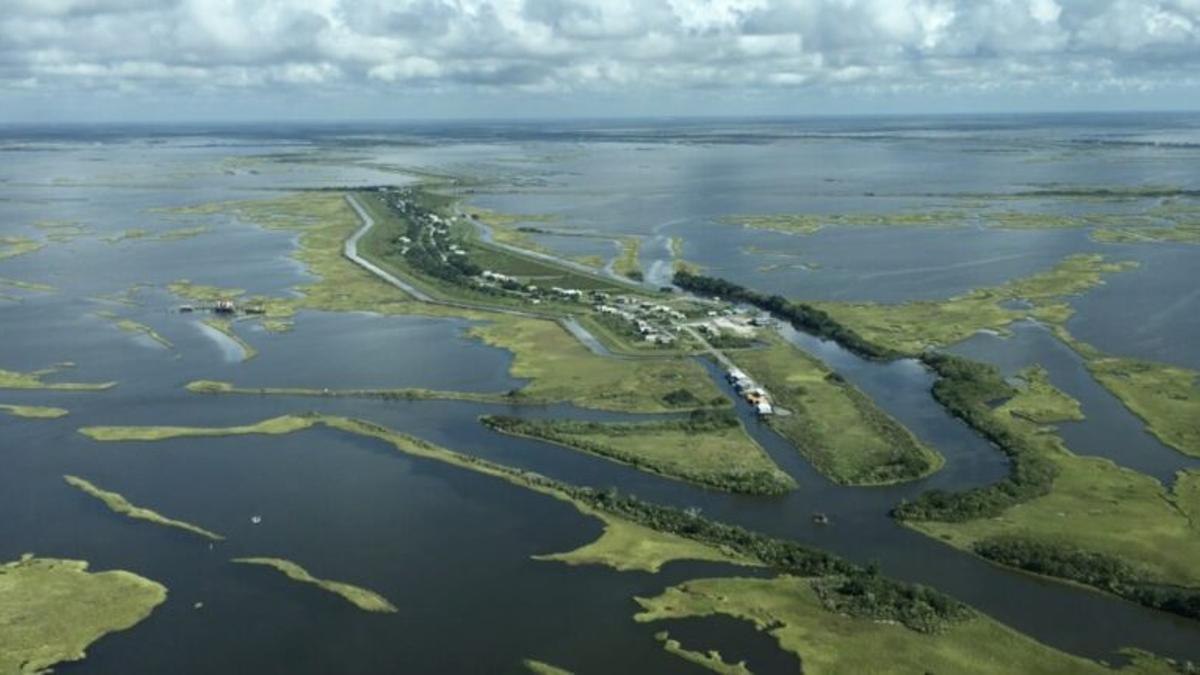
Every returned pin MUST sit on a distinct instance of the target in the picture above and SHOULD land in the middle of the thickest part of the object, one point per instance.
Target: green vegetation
(838, 429)
(542, 668)
(362, 598)
(625, 545)
(710, 660)
(274, 426)
(26, 285)
(560, 368)
(1040, 402)
(709, 448)
(854, 589)
(33, 411)
(11, 247)
(810, 223)
(1174, 216)
(13, 380)
(1167, 398)
(912, 327)
(131, 326)
(142, 234)
(1059, 505)
(627, 263)
(51, 610)
(225, 327)
(1093, 569)
(118, 504)
(61, 231)
(791, 611)
(404, 394)
(968, 389)
(803, 316)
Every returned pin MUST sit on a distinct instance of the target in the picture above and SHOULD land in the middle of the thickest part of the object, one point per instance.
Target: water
(452, 549)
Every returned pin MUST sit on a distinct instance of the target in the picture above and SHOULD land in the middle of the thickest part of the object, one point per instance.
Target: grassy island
(558, 366)
(665, 533)
(542, 668)
(14, 380)
(118, 504)
(792, 611)
(225, 327)
(51, 610)
(1057, 506)
(33, 411)
(360, 597)
(837, 427)
(912, 327)
(710, 660)
(708, 448)
(1165, 397)
(134, 327)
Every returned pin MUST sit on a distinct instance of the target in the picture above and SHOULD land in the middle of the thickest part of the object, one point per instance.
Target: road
(350, 250)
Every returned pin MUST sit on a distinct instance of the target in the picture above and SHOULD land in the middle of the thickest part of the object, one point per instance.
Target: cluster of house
(754, 394)
(434, 227)
(645, 317)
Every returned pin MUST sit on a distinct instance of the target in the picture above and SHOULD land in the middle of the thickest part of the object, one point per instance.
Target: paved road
(716, 353)
(350, 250)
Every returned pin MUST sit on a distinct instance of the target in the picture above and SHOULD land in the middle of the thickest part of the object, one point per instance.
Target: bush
(1101, 571)
(802, 316)
(968, 389)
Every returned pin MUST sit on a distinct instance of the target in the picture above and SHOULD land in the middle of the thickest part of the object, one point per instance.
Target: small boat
(256, 519)
(820, 518)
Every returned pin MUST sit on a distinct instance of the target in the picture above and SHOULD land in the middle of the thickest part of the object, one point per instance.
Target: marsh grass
(51, 610)
(362, 598)
(834, 425)
(118, 504)
(789, 610)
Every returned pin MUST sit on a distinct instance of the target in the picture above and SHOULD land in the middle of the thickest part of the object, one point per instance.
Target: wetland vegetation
(134, 327)
(33, 411)
(791, 609)
(51, 610)
(558, 366)
(846, 587)
(835, 426)
(10, 379)
(1058, 513)
(912, 327)
(118, 504)
(1167, 215)
(708, 448)
(710, 660)
(362, 598)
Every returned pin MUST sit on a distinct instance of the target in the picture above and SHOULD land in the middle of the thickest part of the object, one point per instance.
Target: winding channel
(1068, 617)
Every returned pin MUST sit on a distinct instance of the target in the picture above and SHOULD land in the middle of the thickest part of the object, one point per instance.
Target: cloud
(599, 47)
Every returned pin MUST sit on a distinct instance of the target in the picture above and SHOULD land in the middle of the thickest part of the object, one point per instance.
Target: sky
(227, 60)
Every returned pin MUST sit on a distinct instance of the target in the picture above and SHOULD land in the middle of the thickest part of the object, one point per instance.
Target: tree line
(1101, 571)
(968, 389)
(801, 315)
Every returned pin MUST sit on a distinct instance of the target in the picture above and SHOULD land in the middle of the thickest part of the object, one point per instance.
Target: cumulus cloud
(596, 46)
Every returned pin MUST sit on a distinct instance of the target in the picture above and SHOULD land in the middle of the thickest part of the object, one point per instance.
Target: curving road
(350, 250)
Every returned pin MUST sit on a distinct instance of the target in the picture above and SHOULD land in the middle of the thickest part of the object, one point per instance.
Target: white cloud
(599, 46)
